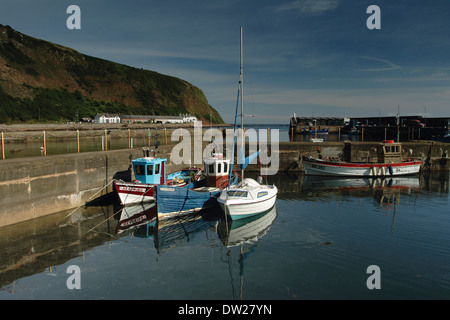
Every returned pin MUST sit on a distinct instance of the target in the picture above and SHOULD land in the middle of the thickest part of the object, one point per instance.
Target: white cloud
(387, 65)
(314, 7)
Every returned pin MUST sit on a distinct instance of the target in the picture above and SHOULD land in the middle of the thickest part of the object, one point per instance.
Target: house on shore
(106, 118)
(157, 119)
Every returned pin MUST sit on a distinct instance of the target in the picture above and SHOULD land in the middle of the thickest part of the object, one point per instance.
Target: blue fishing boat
(196, 196)
(150, 172)
(313, 130)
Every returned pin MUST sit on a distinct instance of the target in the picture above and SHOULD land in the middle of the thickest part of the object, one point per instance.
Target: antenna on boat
(241, 82)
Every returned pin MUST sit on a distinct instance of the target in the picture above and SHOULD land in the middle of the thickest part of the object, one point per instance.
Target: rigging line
(128, 204)
(90, 198)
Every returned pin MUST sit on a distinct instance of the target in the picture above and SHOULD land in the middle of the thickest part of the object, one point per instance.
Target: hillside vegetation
(41, 81)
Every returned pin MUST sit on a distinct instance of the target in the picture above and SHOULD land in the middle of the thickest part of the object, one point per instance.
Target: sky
(308, 57)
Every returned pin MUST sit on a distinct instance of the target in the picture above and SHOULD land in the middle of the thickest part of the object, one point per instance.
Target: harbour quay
(400, 128)
(33, 187)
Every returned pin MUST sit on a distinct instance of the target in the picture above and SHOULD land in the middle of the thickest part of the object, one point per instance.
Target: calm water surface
(317, 243)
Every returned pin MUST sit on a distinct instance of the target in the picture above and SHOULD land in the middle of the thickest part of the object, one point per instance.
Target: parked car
(415, 123)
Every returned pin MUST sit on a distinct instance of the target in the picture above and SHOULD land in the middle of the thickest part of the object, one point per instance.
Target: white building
(113, 118)
(106, 118)
(189, 118)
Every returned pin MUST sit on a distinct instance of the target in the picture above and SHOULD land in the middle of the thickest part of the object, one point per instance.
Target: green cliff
(41, 81)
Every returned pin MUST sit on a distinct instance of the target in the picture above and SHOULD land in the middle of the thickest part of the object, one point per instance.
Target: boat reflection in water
(142, 220)
(168, 233)
(236, 232)
(241, 239)
(174, 232)
(133, 216)
(386, 191)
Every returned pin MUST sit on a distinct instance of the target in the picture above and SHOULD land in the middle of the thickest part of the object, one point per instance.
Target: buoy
(391, 170)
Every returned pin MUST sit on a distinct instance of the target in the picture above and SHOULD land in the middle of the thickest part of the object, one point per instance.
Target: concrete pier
(37, 186)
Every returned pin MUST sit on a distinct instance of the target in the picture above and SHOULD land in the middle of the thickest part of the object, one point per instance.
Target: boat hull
(134, 193)
(319, 167)
(250, 205)
(176, 201)
(245, 210)
(313, 132)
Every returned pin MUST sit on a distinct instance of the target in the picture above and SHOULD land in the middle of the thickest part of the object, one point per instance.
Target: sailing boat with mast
(248, 197)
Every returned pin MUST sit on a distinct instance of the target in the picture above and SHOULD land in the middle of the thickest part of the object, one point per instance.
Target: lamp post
(425, 115)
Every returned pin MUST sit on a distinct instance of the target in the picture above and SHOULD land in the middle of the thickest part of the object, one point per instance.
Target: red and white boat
(150, 172)
(389, 163)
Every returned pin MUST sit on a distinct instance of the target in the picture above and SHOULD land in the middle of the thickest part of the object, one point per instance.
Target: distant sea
(283, 129)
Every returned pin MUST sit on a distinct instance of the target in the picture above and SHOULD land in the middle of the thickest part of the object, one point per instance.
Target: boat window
(211, 168)
(262, 194)
(150, 169)
(237, 193)
(140, 170)
(225, 167)
(157, 168)
(219, 167)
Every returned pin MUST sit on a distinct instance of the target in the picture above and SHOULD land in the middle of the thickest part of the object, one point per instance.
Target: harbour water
(317, 243)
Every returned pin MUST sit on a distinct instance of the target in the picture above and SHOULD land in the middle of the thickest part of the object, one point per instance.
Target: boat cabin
(389, 152)
(150, 170)
(217, 171)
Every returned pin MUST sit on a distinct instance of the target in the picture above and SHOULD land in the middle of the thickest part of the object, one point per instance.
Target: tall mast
(241, 80)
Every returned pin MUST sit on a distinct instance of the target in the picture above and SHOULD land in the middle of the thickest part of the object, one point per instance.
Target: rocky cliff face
(40, 80)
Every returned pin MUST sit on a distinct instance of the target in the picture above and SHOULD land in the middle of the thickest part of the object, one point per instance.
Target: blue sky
(311, 57)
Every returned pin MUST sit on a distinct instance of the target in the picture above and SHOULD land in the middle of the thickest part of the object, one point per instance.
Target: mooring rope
(123, 207)
(90, 198)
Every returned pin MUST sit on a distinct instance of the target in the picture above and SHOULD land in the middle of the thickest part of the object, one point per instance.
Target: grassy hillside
(41, 81)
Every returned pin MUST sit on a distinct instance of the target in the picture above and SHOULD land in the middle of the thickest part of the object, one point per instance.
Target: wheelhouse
(389, 152)
(150, 170)
(217, 170)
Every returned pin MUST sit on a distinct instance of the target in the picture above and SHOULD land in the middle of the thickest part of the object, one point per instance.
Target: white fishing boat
(248, 197)
(389, 163)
